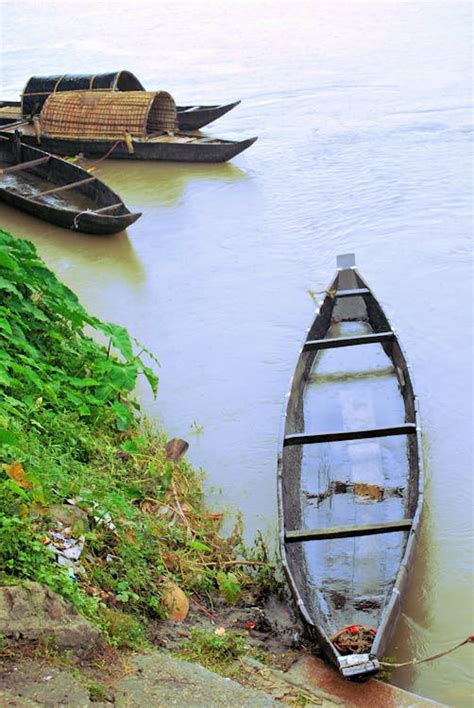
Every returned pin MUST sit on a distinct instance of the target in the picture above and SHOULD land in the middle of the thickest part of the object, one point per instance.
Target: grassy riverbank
(83, 475)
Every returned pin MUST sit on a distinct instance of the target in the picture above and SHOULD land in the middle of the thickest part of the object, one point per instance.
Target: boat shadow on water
(78, 250)
(152, 184)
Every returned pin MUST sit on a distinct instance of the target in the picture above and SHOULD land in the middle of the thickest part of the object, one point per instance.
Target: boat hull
(350, 499)
(74, 209)
(196, 117)
(144, 150)
(189, 117)
(74, 220)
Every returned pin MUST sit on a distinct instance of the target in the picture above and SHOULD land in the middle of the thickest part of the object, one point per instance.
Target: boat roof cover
(108, 114)
(38, 88)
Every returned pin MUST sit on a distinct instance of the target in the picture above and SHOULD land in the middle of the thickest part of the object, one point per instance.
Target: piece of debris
(175, 601)
(175, 449)
(67, 549)
(354, 639)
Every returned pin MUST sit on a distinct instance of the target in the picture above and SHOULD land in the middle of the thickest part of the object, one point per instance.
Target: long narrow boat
(38, 88)
(57, 191)
(137, 125)
(169, 148)
(189, 117)
(195, 117)
(350, 485)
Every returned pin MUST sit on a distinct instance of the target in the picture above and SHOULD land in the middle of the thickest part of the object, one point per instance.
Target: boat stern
(358, 666)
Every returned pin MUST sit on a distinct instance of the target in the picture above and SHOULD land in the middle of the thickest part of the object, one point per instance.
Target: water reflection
(153, 184)
(423, 629)
(112, 254)
(412, 637)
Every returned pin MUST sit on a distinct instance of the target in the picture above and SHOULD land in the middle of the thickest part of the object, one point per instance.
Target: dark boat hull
(76, 221)
(144, 150)
(189, 117)
(74, 209)
(343, 574)
(195, 117)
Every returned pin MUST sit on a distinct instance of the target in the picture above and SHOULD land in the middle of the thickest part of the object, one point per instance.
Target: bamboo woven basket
(108, 114)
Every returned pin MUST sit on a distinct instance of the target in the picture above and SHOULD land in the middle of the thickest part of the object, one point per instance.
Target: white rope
(414, 662)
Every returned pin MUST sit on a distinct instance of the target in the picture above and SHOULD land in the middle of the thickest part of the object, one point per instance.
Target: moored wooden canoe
(38, 88)
(137, 125)
(189, 117)
(350, 485)
(59, 192)
(195, 117)
(176, 148)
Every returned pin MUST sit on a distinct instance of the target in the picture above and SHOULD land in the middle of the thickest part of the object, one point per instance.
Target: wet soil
(269, 625)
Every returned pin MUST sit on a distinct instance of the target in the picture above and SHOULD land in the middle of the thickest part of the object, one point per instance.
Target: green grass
(70, 429)
(97, 692)
(212, 651)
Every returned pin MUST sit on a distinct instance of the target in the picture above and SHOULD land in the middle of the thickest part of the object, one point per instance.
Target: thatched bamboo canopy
(38, 88)
(108, 114)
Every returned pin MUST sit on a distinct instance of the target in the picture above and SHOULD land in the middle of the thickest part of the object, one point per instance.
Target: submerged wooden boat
(137, 125)
(350, 483)
(57, 191)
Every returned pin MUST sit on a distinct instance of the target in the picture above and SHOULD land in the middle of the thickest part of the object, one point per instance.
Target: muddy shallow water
(363, 112)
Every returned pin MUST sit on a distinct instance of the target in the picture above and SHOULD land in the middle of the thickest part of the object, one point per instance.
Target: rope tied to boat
(415, 662)
(37, 129)
(358, 639)
(104, 157)
(128, 142)
(329, 293)
(58, 82)
(75, 223)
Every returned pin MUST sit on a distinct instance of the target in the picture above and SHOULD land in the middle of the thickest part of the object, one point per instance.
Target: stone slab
(161, 681)
(34, 684)
(33, 611)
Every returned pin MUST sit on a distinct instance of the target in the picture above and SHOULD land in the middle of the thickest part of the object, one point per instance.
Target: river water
(363, 112)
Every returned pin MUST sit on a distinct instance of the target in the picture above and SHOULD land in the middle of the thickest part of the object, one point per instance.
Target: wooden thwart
(352, 293)
(25, 165)
(313, 344)
(71, 185)
(108, 208)
(15, 124)
(311, 438)
(347, 531)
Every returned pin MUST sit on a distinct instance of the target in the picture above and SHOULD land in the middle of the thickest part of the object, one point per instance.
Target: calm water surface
(363, 112)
